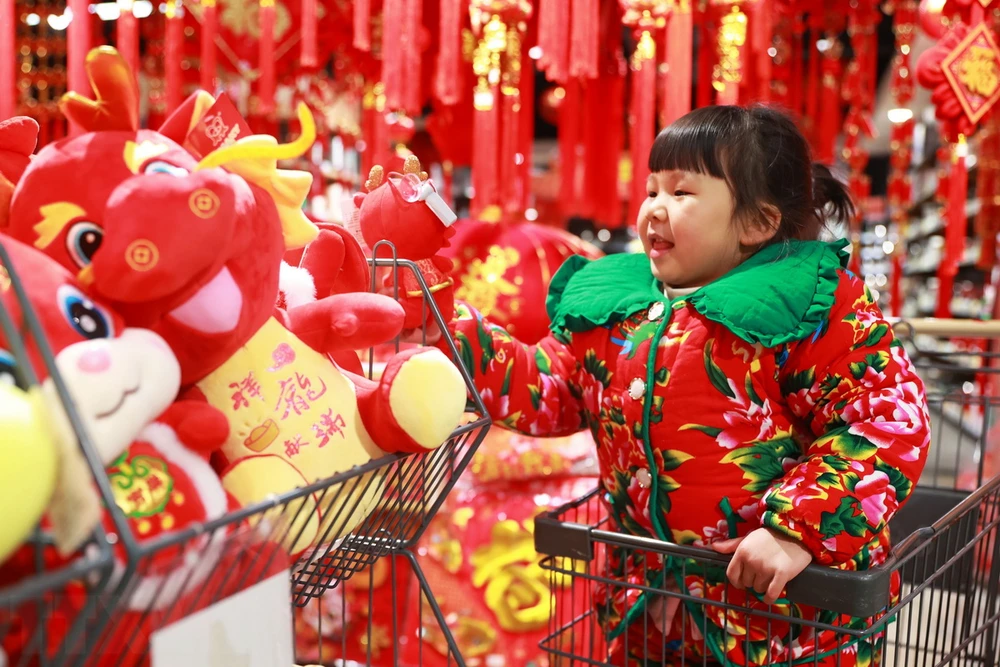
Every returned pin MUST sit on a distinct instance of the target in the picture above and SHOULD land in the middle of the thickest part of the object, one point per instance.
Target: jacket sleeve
(854, 387)
(531, 389)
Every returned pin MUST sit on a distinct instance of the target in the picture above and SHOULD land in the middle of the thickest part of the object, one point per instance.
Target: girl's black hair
(764, 158)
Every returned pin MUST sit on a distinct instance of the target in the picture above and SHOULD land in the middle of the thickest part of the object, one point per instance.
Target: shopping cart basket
(944, 563)
(132, 589)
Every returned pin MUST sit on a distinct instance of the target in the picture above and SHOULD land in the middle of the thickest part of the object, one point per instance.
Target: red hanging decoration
(401, 55)
(553, 38)
(209, 32)
(447, 80)
(362, 25)
(8, 76)
(266, 89)
(127, 27)
(728, 72)
(677, 83)
(77, 46)
(584, 46)
(961, 70)
(309, 57)
(572, 199)
(643, 117)
(173, 55)
(497, 62)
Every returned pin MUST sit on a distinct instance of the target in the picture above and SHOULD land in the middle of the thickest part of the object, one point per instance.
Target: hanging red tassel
(571, 203)
(8, 62)
(706, 61)
(485, 157)
(731, 40)
(410, 97)
(764, 61)
(604, 139)
(896, 287)
(127, 28)
(266, 90)
(309, 58)
(584, 46)
(526, 138)
(174, 55)
(829, 124)
(553, 39)
(677, 91)
(362, 25)
(394, 58)
(209, 31)
(954, 235)
(77, 46)
(644, 117)
(449, 59)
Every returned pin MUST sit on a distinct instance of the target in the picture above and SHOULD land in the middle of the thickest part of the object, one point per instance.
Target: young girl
(745, 392)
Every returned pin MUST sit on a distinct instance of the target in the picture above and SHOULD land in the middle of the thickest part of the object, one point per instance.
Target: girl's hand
(764, 561)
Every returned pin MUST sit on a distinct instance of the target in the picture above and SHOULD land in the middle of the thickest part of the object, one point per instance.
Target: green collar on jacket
(781, 294)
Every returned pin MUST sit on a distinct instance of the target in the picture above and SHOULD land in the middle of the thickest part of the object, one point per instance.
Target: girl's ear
(761, 230)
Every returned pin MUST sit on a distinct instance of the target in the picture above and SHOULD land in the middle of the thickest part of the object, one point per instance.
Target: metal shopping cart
(107, 604)
(933, 603)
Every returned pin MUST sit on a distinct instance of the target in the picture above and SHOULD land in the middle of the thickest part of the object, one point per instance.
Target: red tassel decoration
(77, 46)
(410, 98)
(484, 156)
(393, 57)
(553, 38)
(604, 139)
(584, 46)
(644, 117)
(8, 61)
(571, 202)
(362, 25)
(829, 125)
(310, 57)
(954, 235)
(706, 61)
(526, 139)
(677, 93)
(449, 59)
(127, 27)
(267, 73)
(764, 65)
(174, 55)
(209, 31)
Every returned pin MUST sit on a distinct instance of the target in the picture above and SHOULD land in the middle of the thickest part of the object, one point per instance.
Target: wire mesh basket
(934, 601)
(109, 604)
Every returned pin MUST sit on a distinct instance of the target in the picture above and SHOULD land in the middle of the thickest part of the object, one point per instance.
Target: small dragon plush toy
(190, 246)
(406, 211)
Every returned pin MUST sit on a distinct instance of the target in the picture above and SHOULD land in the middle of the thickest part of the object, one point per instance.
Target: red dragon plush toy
(122, 381)
(407, 211)
(192, 249)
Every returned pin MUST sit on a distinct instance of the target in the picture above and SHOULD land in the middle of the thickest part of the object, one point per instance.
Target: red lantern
(504, 270)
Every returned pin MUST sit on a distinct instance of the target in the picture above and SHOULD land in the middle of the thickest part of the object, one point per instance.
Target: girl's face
(686, 227)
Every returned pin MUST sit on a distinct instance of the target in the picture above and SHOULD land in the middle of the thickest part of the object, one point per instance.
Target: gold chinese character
(978, 71)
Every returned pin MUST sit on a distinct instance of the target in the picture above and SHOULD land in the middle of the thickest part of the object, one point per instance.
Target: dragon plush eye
(8, 369)
(82, 242)
(87, 318)
(161, 167)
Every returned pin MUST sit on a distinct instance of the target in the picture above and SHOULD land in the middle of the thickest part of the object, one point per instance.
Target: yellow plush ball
(28, 464)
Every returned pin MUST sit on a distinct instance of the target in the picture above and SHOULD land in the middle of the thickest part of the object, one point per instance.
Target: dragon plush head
(405, 209)
(187, 245)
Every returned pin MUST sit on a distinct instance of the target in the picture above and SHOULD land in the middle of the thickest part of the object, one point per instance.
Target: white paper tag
(250, 629)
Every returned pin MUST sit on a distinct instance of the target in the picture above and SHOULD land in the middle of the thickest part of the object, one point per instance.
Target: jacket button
(637, 388)
(643, 477)
(656, 311)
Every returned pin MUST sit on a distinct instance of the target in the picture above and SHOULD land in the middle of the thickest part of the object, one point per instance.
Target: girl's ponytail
(831, 198)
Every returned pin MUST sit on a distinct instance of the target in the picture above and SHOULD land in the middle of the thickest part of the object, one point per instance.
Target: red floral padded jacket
(775, 396)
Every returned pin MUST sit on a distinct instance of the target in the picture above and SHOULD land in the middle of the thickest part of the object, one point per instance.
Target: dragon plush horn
(116, 107)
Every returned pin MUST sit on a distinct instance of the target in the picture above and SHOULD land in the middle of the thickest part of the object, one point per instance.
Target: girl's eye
(652, 195)
(681, 193)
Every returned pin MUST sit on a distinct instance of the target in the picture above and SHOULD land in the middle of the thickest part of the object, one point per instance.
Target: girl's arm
(531, 389)
(854, 386)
